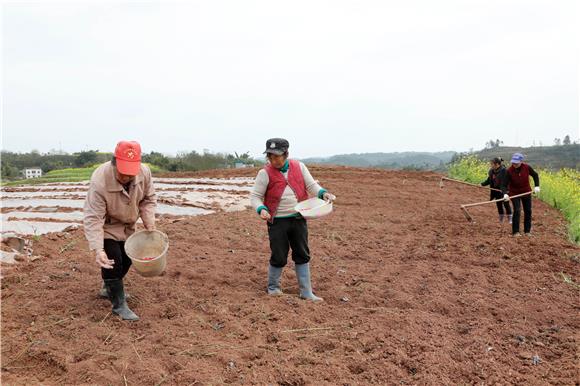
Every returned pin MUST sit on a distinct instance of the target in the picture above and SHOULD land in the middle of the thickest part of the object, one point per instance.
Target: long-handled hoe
(465, 206)
(464, 183)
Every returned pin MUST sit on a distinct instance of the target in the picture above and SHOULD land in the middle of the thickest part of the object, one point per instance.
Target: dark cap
(277, 146)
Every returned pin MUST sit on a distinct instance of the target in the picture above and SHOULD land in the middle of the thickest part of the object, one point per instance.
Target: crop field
(64, 175)
(414, 294)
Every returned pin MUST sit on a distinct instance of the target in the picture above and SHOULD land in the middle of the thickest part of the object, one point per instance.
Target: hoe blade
(466, 214)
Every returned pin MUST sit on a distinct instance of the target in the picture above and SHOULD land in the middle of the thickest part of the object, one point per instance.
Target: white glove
(537, 189)
(328, 197)
(506, 197)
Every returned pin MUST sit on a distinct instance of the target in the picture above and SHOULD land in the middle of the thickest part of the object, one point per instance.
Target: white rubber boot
(303, 276)
(274, 275)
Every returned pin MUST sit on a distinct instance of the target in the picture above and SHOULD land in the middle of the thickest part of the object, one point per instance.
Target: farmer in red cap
(120, 192)
(279, 186)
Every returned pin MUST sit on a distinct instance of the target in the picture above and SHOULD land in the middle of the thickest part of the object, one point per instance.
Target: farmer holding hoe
(495, 178)
(278, 188)
(120, 192)
(517, 181)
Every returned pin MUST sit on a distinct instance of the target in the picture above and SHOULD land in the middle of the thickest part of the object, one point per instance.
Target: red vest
(519, 180)
(277, 184)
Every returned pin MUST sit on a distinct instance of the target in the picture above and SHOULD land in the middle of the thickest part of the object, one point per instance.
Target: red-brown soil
(413, 294)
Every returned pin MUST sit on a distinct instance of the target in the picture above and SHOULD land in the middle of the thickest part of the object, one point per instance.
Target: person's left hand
(328, 197)
(150, 227)
(537, 189)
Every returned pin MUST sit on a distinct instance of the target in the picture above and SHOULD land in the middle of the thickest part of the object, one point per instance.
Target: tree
(244, 158)
(567, 140)
(86, 158)
(557, 141)
(158, 159)
(9, 171)
(491, 144)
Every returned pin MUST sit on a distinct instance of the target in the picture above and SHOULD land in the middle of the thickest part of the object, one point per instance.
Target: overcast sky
(331, 76)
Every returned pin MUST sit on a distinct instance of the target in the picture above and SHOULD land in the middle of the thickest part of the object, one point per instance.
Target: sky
(332, 77)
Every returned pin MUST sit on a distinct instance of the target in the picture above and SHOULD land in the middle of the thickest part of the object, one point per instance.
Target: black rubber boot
(117, 296)
(105, 295)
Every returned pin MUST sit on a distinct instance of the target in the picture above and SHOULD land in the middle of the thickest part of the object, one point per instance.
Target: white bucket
(148, 252)
(314, 208)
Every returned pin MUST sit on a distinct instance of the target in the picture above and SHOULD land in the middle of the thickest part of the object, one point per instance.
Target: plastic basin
(314, 208)
(148, 252)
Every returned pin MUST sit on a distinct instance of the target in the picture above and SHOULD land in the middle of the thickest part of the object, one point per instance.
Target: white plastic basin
(314, 208)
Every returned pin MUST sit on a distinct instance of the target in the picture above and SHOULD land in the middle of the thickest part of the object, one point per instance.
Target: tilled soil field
(414, 294)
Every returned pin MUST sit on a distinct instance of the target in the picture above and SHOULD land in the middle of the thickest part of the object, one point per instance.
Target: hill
(402, 160)
(548, 157)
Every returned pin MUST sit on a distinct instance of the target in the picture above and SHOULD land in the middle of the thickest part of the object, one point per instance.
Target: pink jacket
(110, 212)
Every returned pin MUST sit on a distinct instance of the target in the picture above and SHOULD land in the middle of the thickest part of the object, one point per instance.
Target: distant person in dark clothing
(495, 178)
(517, 181)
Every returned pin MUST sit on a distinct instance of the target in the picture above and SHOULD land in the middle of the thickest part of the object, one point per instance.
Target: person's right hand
(103, 260)
(264, 215)
(506, 197)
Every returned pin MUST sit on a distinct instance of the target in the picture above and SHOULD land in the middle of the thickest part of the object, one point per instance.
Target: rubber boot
(501, 218)
(117, 295)
(105, 295)
(303, 276)
(274, 274)
(510, 218)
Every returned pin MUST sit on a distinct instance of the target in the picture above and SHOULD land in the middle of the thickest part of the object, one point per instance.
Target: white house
(241, 165)
(32, 173)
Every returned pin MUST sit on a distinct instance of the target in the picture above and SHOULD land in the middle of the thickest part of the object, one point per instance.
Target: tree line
(495, 144)
(565, 142)
(13, 163)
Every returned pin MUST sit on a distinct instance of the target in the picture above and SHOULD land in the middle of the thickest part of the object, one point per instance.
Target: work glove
(506, 197)
(265, 215)
(328, 197)
(103, 260)
(537, 189)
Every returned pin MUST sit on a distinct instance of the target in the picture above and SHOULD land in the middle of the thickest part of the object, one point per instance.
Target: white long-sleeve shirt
(289, 199)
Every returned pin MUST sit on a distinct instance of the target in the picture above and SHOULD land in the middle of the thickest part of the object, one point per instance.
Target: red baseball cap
(128, 157)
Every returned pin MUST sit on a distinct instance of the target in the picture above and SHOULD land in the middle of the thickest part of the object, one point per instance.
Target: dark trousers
(501, 205)
(115, 250)
(286, 233)
(526, 202)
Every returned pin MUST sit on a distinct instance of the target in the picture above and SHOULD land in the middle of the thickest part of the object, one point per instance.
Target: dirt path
(414, 295)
